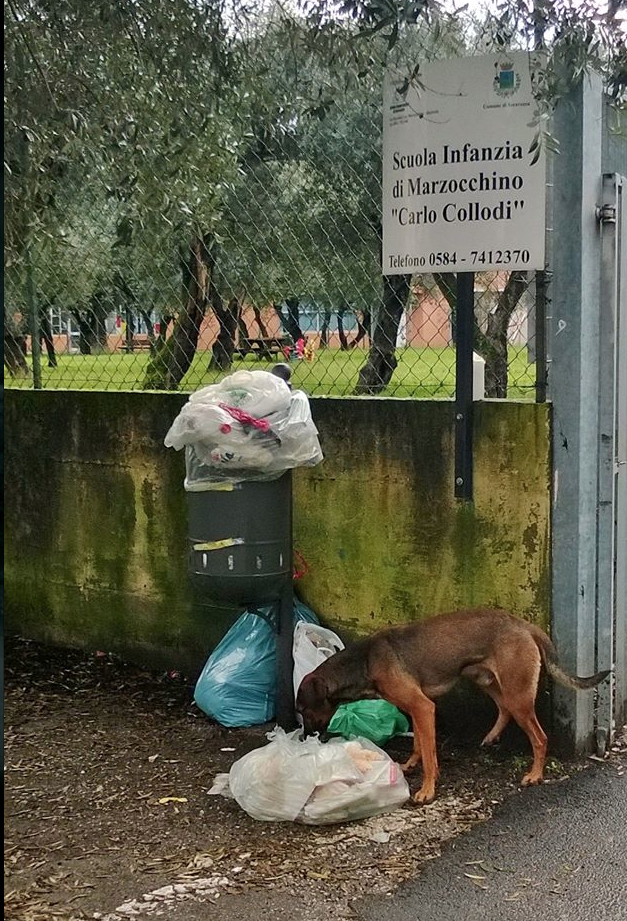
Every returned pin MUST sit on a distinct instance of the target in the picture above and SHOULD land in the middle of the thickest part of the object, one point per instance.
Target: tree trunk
(145, 315)
(291, 321)
(173, 359)
(344, 344)
(97, 315)
(15, 355)
(496, 334)
(224, 346)
(46, 334)
(242, 329)
(491, 345)
(84, 332)
(129, 332)
(377, 373)
(363, 325)
(263, 332)
(164, 324)
(324, 332)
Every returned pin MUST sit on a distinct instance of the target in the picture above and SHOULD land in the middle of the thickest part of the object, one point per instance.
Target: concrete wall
(95, 520)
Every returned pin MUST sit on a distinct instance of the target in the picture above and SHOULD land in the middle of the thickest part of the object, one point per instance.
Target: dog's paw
(531, 780)
(410, 765)
(424, 796)
(490, 740)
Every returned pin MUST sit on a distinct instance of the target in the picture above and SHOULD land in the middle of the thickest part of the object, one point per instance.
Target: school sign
(464, 169)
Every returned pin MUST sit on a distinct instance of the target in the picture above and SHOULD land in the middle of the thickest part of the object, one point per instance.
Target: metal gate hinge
(605, 214)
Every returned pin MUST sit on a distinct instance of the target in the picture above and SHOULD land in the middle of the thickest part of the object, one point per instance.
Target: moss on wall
(384, 536)
(95, 520)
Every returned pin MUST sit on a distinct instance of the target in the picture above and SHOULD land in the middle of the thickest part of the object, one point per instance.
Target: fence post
(33, 314)
(574, 389)
(30, 291)
(464, 372)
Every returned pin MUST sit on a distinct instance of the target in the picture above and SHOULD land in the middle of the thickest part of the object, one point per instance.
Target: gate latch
(605, 214)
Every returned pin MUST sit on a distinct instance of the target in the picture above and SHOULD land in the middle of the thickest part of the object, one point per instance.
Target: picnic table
(136, 345)
(264, 347)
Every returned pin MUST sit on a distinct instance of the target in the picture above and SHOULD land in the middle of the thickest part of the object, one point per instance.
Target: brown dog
(412, 665)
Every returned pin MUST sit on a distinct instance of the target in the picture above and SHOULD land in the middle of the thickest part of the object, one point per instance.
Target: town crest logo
(506, 81)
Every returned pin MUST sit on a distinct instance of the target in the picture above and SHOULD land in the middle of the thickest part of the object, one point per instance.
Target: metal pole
(540, 352)
(30, 288)
(620, 469)
(608, 422)
(464, 332)
(574, 346)
(540, 312)
(285, 711)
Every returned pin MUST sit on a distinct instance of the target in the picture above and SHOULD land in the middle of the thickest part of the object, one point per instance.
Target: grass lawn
(427, 373)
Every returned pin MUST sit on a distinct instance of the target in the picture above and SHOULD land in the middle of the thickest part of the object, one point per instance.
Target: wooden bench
(137, 345)
(265, 347)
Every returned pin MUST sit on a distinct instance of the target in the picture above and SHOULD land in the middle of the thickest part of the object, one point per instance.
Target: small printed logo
(506, 81)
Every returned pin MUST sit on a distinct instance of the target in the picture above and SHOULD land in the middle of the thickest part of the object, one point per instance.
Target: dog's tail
(549, 658)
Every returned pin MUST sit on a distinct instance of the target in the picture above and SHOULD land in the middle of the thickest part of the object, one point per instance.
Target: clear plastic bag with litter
(305, 780)
(249, 426)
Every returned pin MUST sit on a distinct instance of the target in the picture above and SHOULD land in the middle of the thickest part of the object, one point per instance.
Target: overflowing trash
(237, 686)
(304, 780)
(249, 426)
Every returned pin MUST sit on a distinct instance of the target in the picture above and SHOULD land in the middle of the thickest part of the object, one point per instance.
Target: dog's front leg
(423, 720)
(405, 693)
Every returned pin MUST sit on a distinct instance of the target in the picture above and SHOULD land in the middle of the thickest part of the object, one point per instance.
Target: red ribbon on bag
(245, 418)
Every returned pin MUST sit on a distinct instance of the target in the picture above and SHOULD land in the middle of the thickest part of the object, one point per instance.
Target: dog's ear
(312, 692)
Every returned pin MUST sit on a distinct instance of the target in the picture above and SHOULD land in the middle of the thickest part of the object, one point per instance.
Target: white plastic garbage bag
(312, 645)
(304, 780)
(258, 393)
(248, 426)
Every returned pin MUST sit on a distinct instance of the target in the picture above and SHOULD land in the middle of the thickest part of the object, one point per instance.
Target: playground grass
(426, 373)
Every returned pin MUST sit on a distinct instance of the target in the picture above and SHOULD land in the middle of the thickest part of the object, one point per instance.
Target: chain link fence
(124, 280)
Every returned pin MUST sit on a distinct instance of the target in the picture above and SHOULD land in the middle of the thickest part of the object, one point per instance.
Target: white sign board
(463, 172)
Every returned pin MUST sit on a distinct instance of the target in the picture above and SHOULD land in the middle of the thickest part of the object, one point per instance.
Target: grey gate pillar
(574, 354)
(588, 388)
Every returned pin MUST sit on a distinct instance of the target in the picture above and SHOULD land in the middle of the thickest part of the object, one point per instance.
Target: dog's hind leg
(525, 716)
(502, 720)
(484, 677)
(519, 698)
(415, 758)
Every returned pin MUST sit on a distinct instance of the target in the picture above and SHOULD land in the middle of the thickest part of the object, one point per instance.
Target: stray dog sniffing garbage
(412, 665)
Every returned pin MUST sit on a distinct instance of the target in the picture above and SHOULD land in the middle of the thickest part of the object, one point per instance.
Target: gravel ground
(107, 770)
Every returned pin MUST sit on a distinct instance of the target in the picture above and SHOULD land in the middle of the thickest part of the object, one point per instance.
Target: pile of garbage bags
(249, 426)
(294, 779)
(304, 780)
(237, 686)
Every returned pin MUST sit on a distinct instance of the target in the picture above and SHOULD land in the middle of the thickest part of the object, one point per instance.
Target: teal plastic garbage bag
(237, 686)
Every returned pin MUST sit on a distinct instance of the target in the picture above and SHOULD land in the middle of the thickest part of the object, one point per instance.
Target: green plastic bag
(377, 720)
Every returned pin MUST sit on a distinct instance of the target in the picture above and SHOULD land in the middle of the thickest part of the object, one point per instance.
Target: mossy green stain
(377, 522)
